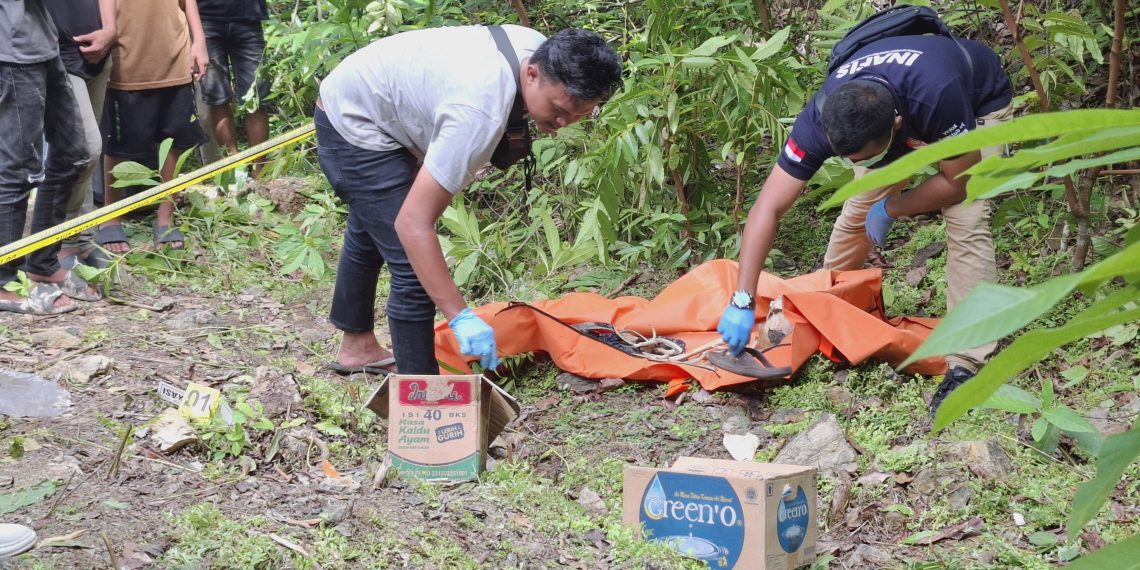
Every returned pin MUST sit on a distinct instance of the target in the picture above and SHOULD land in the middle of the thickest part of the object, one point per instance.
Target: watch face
(742, 300)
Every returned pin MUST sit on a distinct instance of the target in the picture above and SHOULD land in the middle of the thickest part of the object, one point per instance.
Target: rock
(80, 370)
(742, 447)
(171, 432)
(867, 556)
(736, 423)
(787, 416)
(840, 396)
(575, 383)
(822, 445)
(916, 275)
(276, 390)
(335, 512)
(986, 459)
(311, 335)
(29, 396)
(960, 497)
(58, 338)
(192, 319)
(1107, 423)
(63, 468)
(931, 482)
(592, 502)
(6, 481)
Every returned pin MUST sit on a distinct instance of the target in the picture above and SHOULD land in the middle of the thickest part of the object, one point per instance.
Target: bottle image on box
(699, 516)
(792, 518)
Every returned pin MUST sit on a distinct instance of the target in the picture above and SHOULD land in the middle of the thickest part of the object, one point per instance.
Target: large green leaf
(711, 45)
(1067, 419)
(1123, 555)
(1029, 127)
(1064, 148)
(1116, 454)
(984, 186)
(14, 501)
(772, 45)
(992, 311)
(1013, 399)
(1029, 348)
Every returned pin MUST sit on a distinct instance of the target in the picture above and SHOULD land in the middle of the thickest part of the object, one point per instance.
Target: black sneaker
(954, 378)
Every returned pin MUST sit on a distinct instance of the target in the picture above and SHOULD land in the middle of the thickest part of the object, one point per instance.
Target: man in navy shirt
(892, 96)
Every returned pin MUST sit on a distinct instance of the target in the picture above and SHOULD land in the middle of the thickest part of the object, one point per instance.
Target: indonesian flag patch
(793, 151)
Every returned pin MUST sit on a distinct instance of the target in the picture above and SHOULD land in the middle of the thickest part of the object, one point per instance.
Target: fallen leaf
(290, 545)
(608, 384)
(962, 530)
(903, 478)
(873, 478)
(64, 541)
(12, 502)
(547, 403)
(328, 469)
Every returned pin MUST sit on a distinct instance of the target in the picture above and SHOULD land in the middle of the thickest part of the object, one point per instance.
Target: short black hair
(582, 61)
(856, 113)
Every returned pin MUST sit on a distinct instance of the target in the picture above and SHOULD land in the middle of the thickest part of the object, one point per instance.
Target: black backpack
(901, 20)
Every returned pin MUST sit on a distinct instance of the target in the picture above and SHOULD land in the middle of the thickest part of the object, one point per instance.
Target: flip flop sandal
(382, 366)
(167, 234)
(75, 287)
(110, 234)
(751, 363)
(40, 302)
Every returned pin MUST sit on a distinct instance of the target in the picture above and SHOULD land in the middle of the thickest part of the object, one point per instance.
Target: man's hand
(878, 223)
(736, 328)
(476, 338)
(95, 46)
(199, 60)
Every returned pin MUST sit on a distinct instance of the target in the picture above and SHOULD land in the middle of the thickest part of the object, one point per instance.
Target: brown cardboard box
(439, 427)
(739, 515)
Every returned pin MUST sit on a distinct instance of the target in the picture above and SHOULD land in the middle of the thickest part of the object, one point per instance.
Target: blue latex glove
(476, 338)
(736, 328)
(878, 223)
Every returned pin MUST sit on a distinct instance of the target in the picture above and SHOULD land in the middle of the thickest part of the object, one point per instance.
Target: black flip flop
(379, 367)
(751, 363)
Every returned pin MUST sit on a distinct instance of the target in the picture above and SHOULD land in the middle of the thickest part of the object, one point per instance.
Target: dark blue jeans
(235, 48)
(374, 185)
(37, 104)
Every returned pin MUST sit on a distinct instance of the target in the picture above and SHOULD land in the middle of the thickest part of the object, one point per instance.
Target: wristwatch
(743, 300)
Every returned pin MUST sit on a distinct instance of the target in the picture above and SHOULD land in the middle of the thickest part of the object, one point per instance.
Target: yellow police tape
(18, 249)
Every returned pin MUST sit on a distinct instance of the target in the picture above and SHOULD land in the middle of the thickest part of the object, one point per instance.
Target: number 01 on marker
(200, 401)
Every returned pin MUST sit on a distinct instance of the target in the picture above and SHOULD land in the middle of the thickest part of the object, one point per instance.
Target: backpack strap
(517, 126)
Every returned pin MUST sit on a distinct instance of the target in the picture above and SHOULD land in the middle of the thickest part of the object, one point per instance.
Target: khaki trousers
(969, 244)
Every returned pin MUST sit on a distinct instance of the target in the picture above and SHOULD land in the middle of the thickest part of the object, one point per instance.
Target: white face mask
(872, 161)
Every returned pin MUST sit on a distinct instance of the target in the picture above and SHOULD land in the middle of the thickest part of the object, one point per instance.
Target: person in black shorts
(236, 43)
(150, 98)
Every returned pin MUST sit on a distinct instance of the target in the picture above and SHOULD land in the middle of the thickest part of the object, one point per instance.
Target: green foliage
(992, 311)
(21, 285)
(1054, 418)
(203, 531)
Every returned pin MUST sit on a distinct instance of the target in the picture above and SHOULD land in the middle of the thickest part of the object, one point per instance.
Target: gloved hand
(476, 338)
(878, 223)
(736, 328)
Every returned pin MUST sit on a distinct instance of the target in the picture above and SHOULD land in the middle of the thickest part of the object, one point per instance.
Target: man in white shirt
(402, 126)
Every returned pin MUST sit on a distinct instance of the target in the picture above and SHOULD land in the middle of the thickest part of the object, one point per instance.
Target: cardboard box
(439, 427)
(738, 515)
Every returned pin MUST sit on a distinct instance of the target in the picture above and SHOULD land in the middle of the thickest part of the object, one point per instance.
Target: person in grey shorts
(236, 44)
